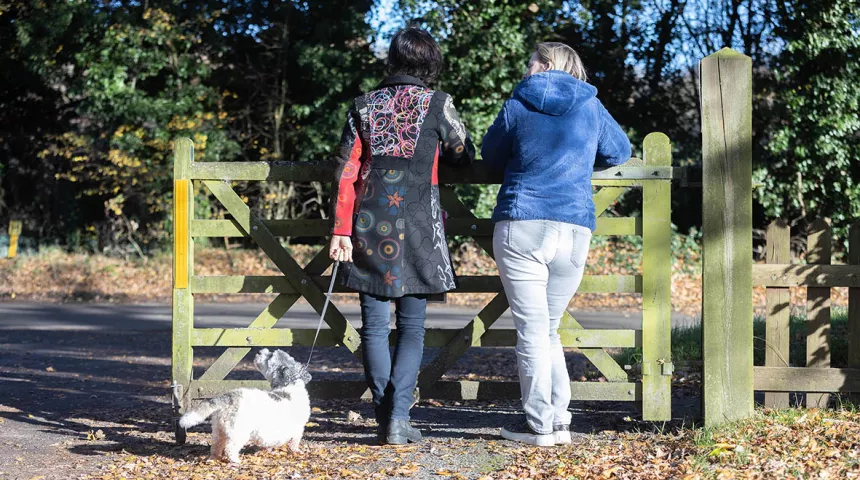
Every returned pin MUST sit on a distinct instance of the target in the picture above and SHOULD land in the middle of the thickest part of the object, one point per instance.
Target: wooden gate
(653, 176)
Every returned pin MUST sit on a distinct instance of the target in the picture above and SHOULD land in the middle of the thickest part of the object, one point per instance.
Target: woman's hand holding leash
(340, 248)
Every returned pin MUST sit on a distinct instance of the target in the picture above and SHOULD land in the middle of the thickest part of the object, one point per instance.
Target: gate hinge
(666, 368)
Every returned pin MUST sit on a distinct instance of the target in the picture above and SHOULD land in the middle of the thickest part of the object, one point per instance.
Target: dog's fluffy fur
(267, 419)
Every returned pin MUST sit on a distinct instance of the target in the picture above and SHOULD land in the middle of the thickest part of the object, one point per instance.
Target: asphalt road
(62, 317)
(68, 372)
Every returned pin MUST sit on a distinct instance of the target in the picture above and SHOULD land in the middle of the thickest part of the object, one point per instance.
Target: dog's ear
(265, 351)
(283, 357)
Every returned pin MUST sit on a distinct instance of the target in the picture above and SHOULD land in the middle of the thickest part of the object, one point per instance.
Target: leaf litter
(774, 444)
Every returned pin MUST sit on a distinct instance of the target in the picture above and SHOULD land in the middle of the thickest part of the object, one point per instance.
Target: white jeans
(541, 263)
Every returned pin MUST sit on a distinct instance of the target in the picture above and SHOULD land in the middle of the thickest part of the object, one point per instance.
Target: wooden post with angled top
(657, 367)
(778, 317)
(818, 309)
(727, 316)
(183, 263)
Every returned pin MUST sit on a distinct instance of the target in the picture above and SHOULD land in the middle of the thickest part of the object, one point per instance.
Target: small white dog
(247, 415)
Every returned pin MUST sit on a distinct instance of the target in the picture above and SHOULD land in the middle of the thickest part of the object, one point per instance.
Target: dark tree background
(93, 92)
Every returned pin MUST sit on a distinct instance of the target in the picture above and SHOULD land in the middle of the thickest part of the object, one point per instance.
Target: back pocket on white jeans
(579, 250)
(526, 236)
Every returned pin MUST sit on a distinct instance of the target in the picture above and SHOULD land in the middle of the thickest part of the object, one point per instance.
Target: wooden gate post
(183, 265)
(727, 316)
(657, 365)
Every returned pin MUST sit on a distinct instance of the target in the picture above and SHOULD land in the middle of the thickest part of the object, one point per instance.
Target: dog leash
(322, 315)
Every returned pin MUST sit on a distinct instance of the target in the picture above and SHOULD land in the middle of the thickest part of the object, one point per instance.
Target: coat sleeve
(496, 147)
(457, 147)
(613, 146)
(347, 168)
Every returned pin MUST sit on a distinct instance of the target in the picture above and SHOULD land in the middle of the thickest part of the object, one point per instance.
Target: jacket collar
(393, 80)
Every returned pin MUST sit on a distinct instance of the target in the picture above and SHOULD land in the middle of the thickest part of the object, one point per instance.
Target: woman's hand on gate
(340, 248)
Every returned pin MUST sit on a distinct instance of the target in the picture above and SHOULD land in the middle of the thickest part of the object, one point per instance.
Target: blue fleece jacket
(548, 138)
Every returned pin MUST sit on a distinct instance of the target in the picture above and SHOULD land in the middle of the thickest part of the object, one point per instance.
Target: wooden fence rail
(816, 378)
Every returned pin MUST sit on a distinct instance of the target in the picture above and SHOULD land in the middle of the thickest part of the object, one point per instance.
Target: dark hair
(414, 52)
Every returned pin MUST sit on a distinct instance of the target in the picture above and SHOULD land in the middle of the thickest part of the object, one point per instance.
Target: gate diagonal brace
(231, 357)
(606, 197)
(457, 346)
(295, 275)
(459, 343)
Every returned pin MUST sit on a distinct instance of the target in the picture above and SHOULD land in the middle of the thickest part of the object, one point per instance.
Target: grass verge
(792, 443)
(687, 343)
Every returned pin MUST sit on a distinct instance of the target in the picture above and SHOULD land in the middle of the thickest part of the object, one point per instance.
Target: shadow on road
(71, 398)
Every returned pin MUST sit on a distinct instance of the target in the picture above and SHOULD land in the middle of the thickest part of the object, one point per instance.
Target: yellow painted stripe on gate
(180, 234)
(14, 233)
(13, 246)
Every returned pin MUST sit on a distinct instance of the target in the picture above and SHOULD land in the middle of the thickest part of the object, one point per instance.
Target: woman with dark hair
(388, 221)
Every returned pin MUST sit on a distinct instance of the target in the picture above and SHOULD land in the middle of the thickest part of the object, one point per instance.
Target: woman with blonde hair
(547, 138)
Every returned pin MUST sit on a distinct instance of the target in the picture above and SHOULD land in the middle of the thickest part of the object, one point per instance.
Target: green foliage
(93, 94)
(812, 169)
(242, 79)
(486, 45)
(300, 63)
(299, 67)
(144, 83)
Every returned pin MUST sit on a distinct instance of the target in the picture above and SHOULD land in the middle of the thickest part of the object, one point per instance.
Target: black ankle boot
(400, 432)
(382, 420)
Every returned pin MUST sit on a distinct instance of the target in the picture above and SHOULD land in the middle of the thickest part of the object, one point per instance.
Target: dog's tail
(202, 412)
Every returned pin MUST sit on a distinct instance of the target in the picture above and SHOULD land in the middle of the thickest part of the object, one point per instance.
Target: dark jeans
(392, 383)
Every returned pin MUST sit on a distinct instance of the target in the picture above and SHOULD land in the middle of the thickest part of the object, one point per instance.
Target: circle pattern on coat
(364, 221)
(389, 249)
(384, 228)
(401, 224)
(361, 244)
(393, 176)
(350, 172)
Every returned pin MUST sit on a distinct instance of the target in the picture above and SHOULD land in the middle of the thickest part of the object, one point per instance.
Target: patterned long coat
(386, 190)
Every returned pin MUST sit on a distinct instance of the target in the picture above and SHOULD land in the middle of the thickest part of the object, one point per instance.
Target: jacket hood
(554, 92)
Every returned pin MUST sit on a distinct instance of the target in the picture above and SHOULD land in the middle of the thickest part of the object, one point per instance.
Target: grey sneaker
(521, 431)
(400, 432)
(561, 434)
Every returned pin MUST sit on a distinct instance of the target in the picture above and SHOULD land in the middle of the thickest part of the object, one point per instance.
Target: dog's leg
(293, 443)
(233, 445)
(218, 442)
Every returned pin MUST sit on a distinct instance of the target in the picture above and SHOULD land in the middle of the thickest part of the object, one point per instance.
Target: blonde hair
(561, 57)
